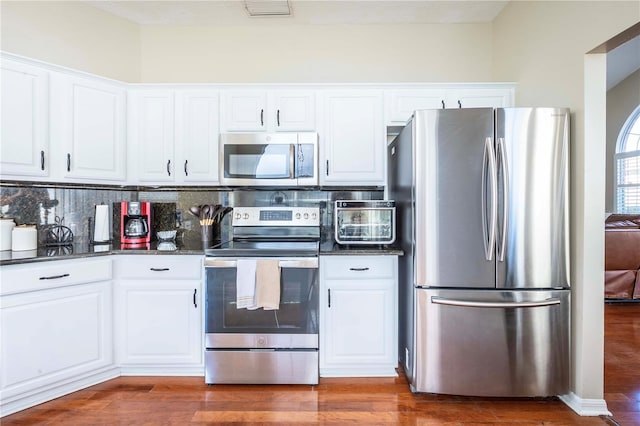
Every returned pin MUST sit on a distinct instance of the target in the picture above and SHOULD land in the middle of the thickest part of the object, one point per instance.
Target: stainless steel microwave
(365, 222)
(269, 159)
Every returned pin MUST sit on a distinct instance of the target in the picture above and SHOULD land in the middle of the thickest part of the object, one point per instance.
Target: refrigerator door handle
(505, 200)
(489, 234)
(478, 304)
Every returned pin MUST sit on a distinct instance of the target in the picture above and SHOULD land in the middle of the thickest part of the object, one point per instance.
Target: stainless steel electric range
(261, 313)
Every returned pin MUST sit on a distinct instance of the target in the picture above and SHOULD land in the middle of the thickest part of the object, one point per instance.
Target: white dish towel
(246, 284)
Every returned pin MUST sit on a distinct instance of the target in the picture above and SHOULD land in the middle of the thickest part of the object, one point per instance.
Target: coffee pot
(136, 227)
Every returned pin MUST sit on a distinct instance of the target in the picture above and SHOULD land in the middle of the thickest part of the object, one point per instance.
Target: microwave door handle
(292, 161)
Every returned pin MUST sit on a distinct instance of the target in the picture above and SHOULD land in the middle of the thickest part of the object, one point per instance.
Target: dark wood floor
(622, 362)
(187, 400)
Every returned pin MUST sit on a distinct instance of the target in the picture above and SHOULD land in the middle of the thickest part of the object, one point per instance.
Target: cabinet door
(401, 104)
(353, 140)
(357, 329)
(243, 110)
(358, 315)
(88, 127)
(158, 322)
(480, 98)
(24, 147)
(293, 111)
(51, 335)
(151, 135)
(197, 137)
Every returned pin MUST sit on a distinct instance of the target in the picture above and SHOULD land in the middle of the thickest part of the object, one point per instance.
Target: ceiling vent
(267, 7)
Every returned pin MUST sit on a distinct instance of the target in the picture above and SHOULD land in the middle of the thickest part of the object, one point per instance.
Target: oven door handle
(302, 262)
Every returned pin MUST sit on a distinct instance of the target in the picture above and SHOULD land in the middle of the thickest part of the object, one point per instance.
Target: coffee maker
(135, 223)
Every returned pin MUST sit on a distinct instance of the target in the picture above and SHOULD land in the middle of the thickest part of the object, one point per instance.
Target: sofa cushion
(622, 249)
(622, 224)
(627, 221)
(619, 284)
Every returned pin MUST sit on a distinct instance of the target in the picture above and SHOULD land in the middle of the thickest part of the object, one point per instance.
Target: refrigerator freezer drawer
(492, 342)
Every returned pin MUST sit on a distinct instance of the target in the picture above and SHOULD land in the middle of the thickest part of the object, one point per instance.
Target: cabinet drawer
(158, 267)
(51, 274)
(355, 267)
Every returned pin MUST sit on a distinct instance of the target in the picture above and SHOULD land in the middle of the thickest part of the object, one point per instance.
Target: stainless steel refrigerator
(482, 207)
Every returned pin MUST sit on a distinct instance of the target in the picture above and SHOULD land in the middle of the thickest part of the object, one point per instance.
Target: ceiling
(232, 12)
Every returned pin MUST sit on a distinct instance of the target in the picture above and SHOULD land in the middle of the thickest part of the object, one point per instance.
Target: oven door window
(260, 161)
(298, 313)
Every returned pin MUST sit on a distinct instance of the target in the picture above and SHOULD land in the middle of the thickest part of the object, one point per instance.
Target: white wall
(542, 46)
(72, 34)
(317, 53)
(622, 100)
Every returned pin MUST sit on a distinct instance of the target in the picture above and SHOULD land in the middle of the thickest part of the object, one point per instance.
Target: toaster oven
(364, 222)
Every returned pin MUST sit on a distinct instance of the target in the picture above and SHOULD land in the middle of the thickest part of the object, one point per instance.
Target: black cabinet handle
(327, 167)
(195, 291)
(262, 117)
(459, 104)
(359, 269)
(41, 160)
(168, 167)
(186, 173)
(68, 162)
(278, 117)
(159, 269)
(329, 297)
(442, 104)
(54, 277)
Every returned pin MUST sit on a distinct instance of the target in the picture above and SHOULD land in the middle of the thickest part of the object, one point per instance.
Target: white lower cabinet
(158, 315)
(358, 316)
(56, 333)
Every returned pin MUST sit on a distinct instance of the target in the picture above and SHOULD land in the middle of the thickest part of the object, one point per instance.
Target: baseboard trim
(585, 407)
(29, 399)
(161, 371)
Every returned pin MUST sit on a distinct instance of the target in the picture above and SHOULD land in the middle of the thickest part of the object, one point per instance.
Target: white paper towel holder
(100, 231)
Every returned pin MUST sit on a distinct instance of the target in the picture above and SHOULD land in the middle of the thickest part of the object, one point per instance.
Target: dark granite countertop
(82, 250)
(181, 247)
(331, 248)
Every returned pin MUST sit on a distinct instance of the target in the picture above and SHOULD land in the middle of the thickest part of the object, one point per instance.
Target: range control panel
(276, 216)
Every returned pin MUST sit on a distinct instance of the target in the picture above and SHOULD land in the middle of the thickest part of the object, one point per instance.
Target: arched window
(627, 166)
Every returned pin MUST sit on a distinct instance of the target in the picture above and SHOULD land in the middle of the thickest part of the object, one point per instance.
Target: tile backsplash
(41, 205)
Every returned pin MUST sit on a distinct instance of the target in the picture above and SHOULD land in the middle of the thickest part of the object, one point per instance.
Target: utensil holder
(210, 234)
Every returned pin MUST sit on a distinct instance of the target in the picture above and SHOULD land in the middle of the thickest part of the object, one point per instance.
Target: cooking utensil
(195, 210)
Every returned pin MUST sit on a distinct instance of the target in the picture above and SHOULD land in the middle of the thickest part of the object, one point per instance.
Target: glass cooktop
(245, 248)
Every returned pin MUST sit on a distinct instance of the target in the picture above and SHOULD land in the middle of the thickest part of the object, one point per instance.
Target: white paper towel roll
(101, 232)
(24, 238)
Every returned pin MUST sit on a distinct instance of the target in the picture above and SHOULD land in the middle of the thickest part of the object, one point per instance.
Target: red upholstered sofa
(622, 257)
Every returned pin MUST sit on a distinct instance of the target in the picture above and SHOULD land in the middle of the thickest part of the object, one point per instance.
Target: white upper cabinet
(173, 136)
(151, 136)
(272, 111)
(402, 102)
(480, 98)
(88, 130)
(198, 134)
(24, 143)
(353, 143)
